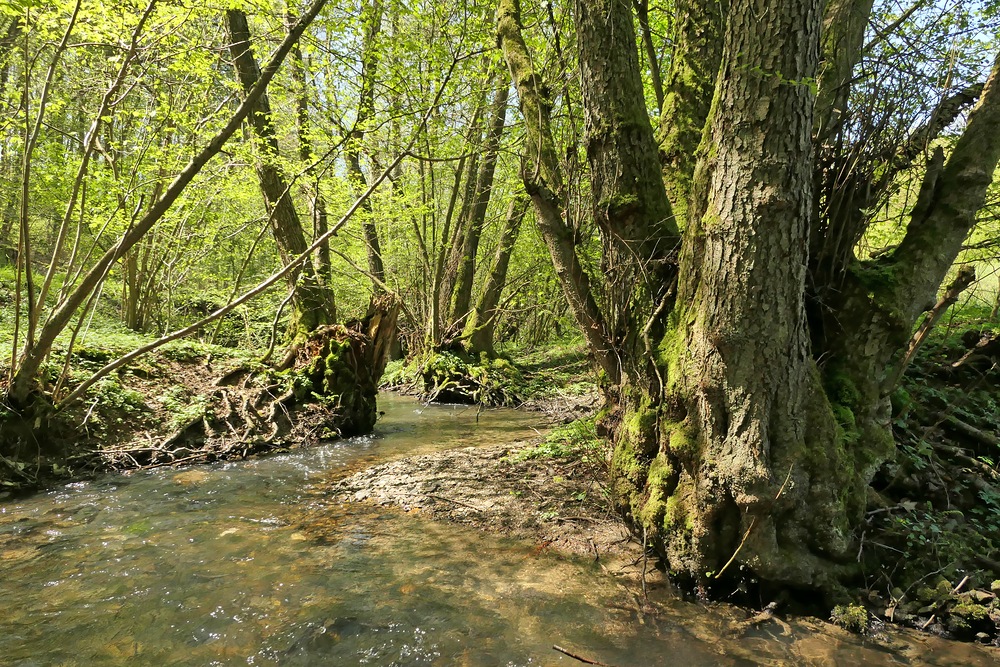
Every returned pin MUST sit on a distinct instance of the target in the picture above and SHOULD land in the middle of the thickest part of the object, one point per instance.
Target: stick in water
(586, 661)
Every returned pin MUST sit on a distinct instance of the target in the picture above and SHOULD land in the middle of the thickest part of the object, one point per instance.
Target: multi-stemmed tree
(748, 366)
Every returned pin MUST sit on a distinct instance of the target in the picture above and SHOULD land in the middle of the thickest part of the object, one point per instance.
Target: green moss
(840, 388)
(620, 203)
(676, 517)
(682, 440)
(660, 483)
(851, 617)
(671, 347)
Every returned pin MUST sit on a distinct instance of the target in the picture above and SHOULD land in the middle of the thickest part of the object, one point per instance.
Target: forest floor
(186, 403)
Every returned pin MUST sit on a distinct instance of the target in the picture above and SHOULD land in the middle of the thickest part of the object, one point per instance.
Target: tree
(745, 427)
(312, 301)
(24, 390)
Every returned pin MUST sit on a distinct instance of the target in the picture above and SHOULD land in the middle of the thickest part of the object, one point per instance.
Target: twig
(753, 521)
(953, 592)
(586, 661)
(457, 502)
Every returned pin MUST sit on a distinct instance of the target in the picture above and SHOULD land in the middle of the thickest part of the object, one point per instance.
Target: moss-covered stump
(457, 377)
(340, 366)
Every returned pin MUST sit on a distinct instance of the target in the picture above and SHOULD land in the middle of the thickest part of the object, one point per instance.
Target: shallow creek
(213, 566)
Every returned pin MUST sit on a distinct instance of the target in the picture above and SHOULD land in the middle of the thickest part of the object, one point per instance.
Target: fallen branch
(966, 276)
(972, 432)
(586, 661)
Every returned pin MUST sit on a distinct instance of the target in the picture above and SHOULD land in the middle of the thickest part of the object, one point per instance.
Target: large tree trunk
(736, 451)
(747, 462)
(313, 304)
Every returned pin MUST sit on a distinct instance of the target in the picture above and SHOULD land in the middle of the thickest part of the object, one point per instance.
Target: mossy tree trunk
(313, 304)
(753, 455)
(344, 363)
(371, 17)
(713, 457)
(545, 184)
(481, 326)
(751, 464)
(461, 298)
(694, 67)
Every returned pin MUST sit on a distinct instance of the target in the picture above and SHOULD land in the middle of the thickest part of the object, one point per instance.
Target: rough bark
(480, 328)
(312, 305)
(884, 297)
(543, 181)
(749, 467)
(690, 83)
(843, 34)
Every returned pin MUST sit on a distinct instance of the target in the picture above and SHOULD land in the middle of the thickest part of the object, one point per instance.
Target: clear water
(235, 564)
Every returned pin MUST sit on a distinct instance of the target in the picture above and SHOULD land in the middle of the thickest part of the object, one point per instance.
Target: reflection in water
(212, 566)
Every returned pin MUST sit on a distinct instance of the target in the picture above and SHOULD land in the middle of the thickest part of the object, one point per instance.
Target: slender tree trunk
(455, 230)
(317, 202)
(370, 56)
(642, 13)
(690, 84)
(476, 218)
(313, 304)
(639, 233)
(543, 181)
(481, 326)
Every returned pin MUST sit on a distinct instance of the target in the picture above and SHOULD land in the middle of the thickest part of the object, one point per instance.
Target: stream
(212, 565)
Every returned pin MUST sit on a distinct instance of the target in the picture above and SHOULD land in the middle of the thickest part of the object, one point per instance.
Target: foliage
(852, 617)
(578, 439)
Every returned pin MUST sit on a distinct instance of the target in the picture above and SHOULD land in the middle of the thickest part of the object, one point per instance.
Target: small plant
(851, 617)
(110, 393)
(576, 439)
(183, 407)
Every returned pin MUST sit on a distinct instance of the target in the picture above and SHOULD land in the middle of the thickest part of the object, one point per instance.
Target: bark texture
(749, 466)
(313, 304)
(544, 183)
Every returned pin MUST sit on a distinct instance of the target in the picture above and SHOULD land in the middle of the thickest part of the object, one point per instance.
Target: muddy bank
(558, 504)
